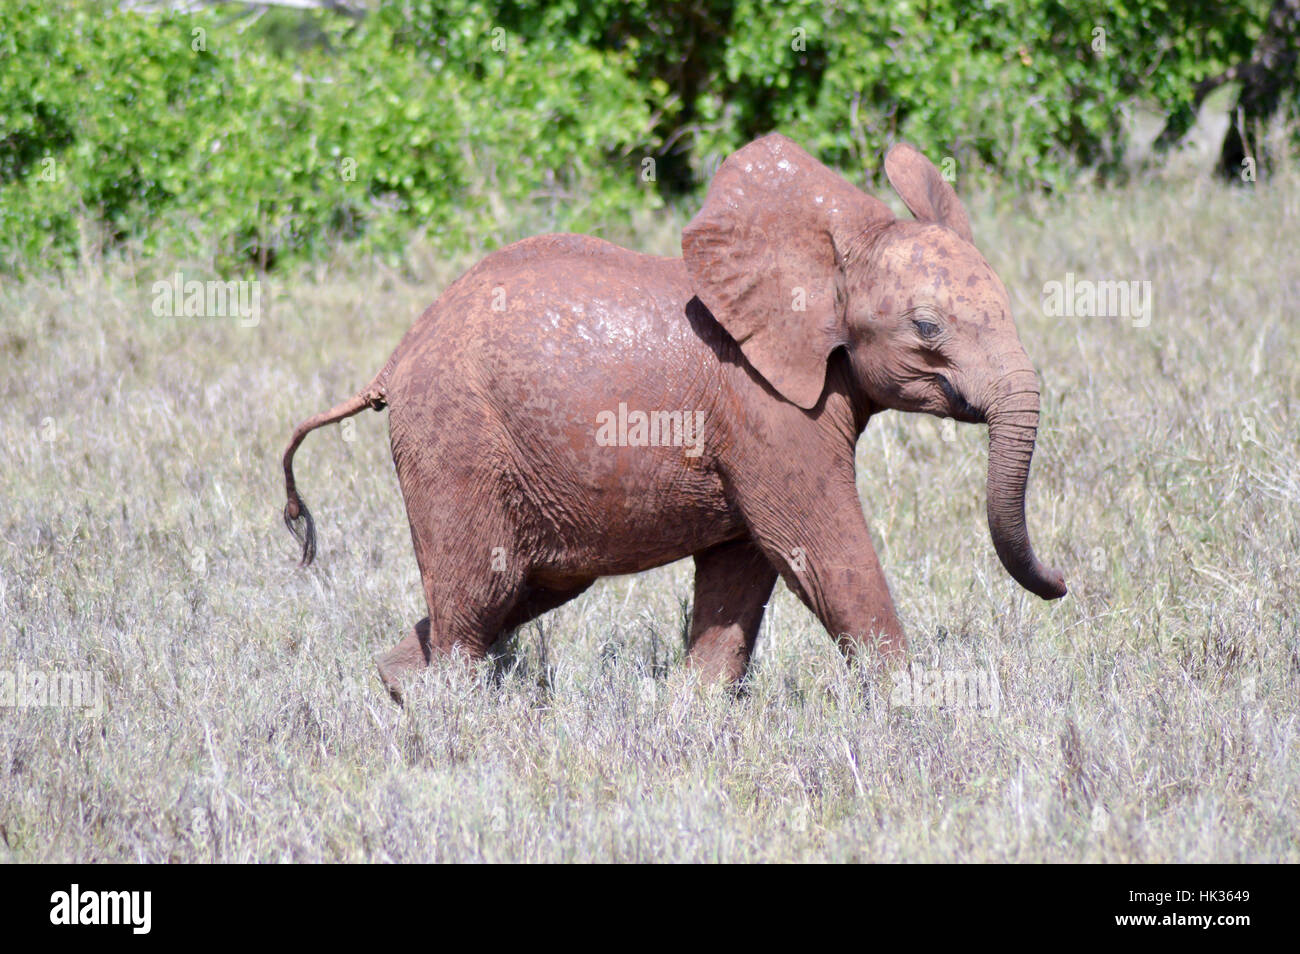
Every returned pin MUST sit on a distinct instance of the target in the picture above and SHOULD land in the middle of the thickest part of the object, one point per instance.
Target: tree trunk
(1265, 77)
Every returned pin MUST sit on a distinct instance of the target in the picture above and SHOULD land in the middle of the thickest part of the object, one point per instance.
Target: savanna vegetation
(1149, 716)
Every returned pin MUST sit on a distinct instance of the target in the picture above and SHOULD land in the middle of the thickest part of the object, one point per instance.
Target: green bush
(1030, 90)
(1026, 89)
(252, 144)
(179, 131)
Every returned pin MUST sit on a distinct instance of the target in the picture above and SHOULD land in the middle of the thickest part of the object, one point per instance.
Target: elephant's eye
(926, 329)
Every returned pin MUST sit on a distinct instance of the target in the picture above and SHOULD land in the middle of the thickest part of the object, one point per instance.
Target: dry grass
(1150, 716)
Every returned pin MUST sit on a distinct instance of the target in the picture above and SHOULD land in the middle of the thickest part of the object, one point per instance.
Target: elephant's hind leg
(473, 575)
(733, 582)
(413, 652)
(465, 619)
(417, 648)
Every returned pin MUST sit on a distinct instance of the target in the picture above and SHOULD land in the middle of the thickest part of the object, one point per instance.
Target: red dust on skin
(495, 393)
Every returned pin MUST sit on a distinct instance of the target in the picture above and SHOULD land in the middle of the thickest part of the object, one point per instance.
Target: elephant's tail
(296, 516)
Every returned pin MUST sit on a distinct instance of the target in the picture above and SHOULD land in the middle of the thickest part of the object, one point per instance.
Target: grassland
(1150, 716)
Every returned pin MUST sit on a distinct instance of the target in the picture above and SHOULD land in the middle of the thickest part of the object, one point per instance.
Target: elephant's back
(572, 311)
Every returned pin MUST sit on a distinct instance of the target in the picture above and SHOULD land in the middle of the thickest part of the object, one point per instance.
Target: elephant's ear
(927, 194)
(764, 254)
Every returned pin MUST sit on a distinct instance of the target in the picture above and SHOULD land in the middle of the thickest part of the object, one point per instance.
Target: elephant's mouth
(958, 407)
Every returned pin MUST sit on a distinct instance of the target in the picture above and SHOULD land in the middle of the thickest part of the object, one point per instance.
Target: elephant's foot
(412, 653)
(720, 654)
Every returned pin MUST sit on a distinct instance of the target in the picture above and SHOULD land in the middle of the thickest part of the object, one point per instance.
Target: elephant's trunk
(1013, 427)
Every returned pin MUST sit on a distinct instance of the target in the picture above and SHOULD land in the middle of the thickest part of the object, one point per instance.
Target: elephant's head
(794, 263)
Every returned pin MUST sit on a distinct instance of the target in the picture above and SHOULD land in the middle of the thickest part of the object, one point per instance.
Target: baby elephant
(569, 409)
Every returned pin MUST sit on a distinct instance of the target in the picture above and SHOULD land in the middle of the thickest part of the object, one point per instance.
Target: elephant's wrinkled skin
(800, 307)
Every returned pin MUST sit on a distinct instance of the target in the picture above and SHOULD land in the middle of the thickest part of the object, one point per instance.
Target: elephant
(569, 409)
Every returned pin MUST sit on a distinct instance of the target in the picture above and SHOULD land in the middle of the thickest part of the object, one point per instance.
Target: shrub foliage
(255, 140)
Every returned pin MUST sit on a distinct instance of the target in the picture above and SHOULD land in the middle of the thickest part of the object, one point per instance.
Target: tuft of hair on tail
(298, 519)
(296, 516)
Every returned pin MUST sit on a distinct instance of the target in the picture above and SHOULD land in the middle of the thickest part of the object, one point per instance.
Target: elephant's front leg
(733, 582)
(810, 525)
